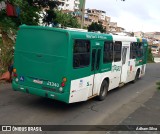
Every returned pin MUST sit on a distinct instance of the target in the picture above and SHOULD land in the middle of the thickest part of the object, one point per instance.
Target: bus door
(95, 68)
(125, 59)
(116, 65)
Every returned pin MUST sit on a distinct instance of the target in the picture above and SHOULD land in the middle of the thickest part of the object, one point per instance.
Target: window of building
(81, 53)
(117, 51)
(108, 52)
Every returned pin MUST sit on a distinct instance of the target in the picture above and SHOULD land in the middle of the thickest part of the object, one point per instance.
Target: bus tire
(103, 90)
(136, 76)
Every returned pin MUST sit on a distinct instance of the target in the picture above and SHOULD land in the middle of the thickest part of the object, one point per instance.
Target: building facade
(87, 16)
(69, 5)
(139, 34)
(99, 16)
(93, 15)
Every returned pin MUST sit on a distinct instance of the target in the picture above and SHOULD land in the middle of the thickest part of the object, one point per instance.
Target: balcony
(76, 2)
(62, 1)
(76, 7)
(93, 14)
(67, 2)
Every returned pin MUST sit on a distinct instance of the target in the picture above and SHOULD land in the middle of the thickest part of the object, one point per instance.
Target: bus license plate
(38, 81)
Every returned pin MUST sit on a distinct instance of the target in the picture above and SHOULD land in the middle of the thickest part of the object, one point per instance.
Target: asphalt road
(18, 108)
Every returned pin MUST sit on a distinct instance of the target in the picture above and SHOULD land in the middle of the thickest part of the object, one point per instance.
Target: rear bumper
(40, 92)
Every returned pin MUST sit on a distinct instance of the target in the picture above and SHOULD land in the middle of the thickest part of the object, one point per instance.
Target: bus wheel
(103, 90)
(137, 76)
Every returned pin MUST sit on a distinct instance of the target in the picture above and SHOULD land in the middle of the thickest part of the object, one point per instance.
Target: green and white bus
(72, 66)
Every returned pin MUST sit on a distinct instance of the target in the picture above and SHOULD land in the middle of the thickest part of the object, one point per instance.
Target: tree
(9, 25)
(150, 58)
(29, 14)
(96, 27)
(158, 84)
(49, 6)
(66, 20)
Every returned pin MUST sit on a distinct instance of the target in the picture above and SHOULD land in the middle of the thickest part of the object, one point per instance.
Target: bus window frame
(114, 52)
(110, 50)
(89, 53)
(134, 53)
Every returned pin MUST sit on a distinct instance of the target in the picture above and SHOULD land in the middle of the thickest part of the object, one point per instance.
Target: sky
(133, 15)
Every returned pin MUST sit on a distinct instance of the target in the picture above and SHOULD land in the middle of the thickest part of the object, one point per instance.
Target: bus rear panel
(40, 63)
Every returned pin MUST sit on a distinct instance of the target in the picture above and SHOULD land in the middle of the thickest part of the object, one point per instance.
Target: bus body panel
(41, 60)
(86, 82)
(80, 89)
(45, 56)
(125, 61)
(128, 69)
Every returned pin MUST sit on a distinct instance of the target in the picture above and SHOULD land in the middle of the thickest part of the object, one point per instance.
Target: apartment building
(94, 15)
(112, 27)
(69, 5)
(139, 34)
(99, 16)
(120, 29)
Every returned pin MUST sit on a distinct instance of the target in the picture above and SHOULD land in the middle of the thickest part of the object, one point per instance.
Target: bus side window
(133, 50)
(117, 51)
(81, 53)
(140, 50)
(108, 52)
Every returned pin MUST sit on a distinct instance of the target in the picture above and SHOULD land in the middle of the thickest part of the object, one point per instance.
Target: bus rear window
(81, 53)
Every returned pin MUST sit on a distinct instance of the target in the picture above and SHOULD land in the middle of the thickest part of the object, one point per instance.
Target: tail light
(14, 70)
(15, 73)
(64, 79)
(63, 84)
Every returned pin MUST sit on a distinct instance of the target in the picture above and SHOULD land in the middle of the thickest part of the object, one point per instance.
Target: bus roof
(87, 35)
(74, 34)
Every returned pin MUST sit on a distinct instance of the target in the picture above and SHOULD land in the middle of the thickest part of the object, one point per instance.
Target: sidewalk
(147, 114)
(143, 110)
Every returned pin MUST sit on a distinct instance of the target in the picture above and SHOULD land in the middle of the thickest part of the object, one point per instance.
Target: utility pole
(83, 12)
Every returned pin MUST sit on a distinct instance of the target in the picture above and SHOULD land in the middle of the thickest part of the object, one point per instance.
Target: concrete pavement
(119, 106)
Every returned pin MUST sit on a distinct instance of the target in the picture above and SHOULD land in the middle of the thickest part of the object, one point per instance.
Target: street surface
(18, 108)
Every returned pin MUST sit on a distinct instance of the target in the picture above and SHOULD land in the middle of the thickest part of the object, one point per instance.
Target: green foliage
(6, 22)
(96, 27)
(29, 15)
(6, 55)
(9, 26)
(50, 7)
(158, 84)
(66, 20)
(0, 40)
(150, 58)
